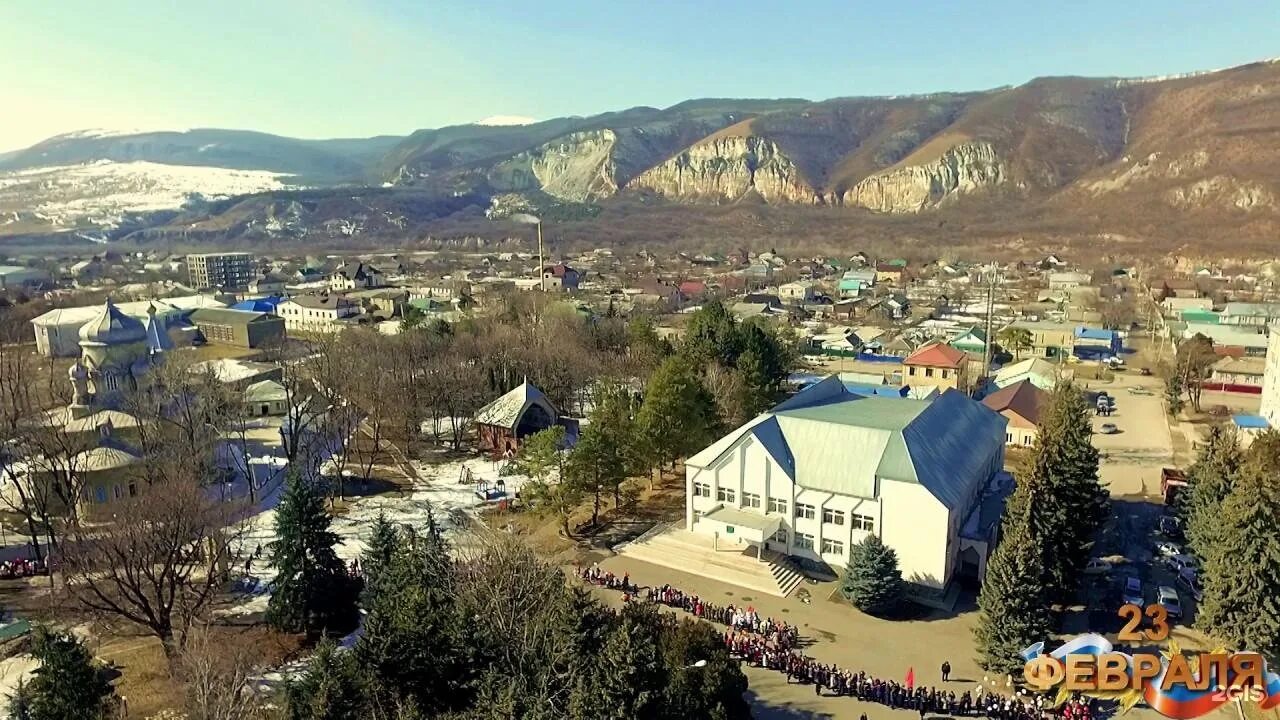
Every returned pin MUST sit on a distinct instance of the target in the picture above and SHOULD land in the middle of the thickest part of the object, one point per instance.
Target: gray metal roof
(828, 439)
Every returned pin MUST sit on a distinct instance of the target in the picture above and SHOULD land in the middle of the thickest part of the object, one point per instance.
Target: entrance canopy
(743, 525)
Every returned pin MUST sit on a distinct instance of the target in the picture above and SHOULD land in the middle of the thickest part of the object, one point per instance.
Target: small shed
(503, 423)
(1172, 480)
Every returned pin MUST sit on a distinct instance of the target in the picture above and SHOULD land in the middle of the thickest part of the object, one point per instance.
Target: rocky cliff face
(727, 168)
(577, 167)
(964, 169)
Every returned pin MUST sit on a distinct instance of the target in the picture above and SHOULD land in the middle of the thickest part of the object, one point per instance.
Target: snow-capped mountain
(99, 194)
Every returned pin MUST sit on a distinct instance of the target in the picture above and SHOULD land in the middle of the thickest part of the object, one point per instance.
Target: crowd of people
(746, 621)
(594, 575)
(771, 644)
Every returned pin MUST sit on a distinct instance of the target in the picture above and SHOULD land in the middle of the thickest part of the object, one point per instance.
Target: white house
(801, 291)
(316, 313)
(355, 276)
(1270, 408)
(824, 469)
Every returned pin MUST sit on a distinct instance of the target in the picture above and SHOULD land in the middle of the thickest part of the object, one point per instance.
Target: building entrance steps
(727, 561)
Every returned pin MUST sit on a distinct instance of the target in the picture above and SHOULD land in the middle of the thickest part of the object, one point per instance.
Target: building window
(928, 372)
(750, 500)
(780, 536)
(133, 489)
(724, 495)
(777, 505)
(804, 541)
(944, 374)
(117, 491)
(863, 522)
(804, 511)
(832, 547)
(1008, 437)
(911, 371)
(1026, 440)
(701, 490)
(833, 517)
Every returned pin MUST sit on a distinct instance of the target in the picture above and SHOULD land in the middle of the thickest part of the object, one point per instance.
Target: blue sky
(341, 68)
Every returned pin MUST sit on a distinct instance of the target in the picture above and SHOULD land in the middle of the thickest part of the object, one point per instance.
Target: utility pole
(986, 345)
(542, 268)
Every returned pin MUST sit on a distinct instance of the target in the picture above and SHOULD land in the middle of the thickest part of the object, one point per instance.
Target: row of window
(1026, 439)
(779, 505)
(804, 541)
(928, 372)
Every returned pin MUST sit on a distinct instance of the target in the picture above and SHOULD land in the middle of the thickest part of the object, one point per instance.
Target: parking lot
(1132, 456)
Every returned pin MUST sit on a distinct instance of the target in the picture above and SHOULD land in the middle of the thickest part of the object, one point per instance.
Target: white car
(1168, 549)
(1168, 598)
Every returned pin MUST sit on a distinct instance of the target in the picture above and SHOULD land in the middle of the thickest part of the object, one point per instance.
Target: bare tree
(218, 670)
(162, 554)
(159, 562)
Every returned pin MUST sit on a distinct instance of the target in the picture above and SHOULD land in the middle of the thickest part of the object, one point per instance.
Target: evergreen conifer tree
(1070, 502)
(413, 646)
(1013, 603)
(66, 686)
(329, 689)
(678, 416)
(1209, 481)
(872, 581)
(312, 591)
(1242, 575)
(382, 545)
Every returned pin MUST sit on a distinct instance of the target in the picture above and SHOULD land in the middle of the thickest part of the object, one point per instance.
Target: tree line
(719, 376)
(1230, 510)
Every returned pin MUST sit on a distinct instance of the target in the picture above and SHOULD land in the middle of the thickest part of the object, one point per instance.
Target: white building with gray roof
(826, 468)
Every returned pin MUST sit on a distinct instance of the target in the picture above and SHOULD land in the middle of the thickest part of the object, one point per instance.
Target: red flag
(911, 678)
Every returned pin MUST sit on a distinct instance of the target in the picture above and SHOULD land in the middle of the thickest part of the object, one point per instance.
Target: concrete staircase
(692, 553)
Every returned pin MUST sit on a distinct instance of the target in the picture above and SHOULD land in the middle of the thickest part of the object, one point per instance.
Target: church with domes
(115, 351)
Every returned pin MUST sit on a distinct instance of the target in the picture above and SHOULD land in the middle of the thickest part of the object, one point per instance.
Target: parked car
(1109, 429)
(1171, 527)
(1133, 594)
(1167, 548)
(1168, 598)
(1192, 584)
(1097, 566)
(1184, 562)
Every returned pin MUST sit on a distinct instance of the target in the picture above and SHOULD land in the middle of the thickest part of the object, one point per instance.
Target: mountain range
(1162, 160)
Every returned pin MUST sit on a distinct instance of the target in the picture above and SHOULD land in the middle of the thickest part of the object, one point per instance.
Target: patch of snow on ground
(12, 671)
(442, 493)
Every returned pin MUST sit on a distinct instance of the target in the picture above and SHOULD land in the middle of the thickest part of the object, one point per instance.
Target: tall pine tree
(1013, 604)
(67, 685)
(678, 416)
(1242, 576)
(872, 581)
(312, 591)
(377, 555)
(329, 689)
(1071, 503)
(413, 646)
(1209, 481)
